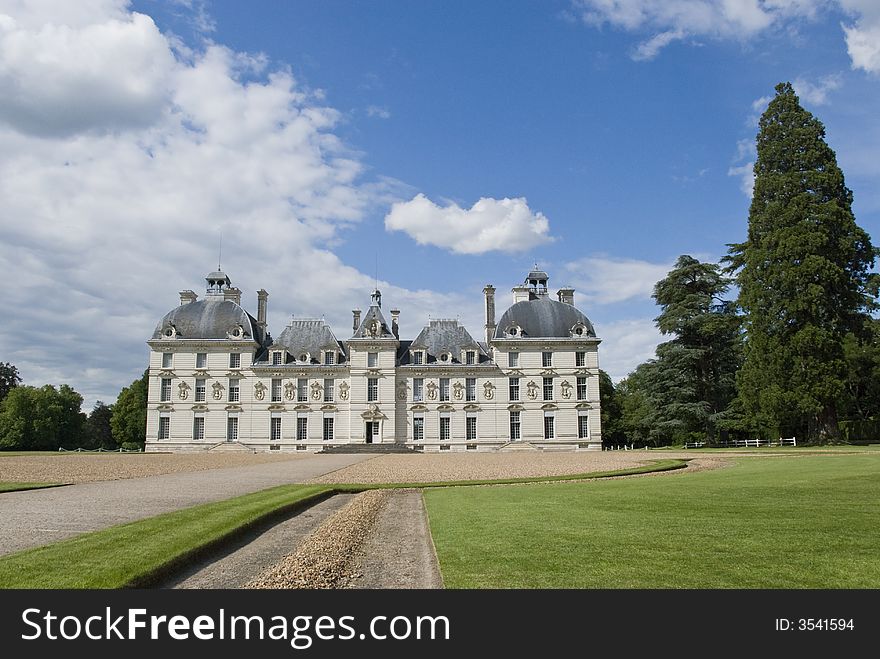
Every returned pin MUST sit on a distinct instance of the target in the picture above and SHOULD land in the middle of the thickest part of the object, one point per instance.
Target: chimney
(489, 292)
(262, 304)
(232, 293)
(357, 319)
(566, 295)
(395, 315)
(188, 297)
(520, 293)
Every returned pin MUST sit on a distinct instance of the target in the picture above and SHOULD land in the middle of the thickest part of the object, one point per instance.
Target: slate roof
(444, 336)
(373, 313)
(211, 318)
(542, 318)
(311, 336)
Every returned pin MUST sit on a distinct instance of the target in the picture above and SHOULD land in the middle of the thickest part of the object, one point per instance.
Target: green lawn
(15, 487)
(790, 522)
(129, 554)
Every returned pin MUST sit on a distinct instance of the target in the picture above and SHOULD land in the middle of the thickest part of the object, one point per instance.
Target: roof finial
(220, 253)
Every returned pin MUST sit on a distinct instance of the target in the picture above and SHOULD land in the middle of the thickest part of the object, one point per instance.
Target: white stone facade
(216, 378)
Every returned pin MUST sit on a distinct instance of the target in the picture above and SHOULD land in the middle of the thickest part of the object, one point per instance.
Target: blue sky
(452, 143)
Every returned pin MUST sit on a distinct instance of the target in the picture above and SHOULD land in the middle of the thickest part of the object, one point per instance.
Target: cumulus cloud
(817, 93)
(505, 225)
(104, 217)
(606, 280)
(671, 20)
(626, 344)
(378, 112)
(745, 171)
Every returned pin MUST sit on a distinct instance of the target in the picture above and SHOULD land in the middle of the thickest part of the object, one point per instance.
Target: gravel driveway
(38, 517)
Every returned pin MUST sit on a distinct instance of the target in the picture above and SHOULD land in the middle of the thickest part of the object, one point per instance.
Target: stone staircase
(512, 447)
(374, 449)
(230, 447)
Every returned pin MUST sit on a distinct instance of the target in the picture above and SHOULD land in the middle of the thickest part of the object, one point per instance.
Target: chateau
(218, 379)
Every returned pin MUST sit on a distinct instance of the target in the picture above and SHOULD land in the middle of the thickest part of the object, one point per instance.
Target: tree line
(796, 352)
(48, 418)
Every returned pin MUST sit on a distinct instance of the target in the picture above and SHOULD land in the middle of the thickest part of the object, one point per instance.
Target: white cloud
(606, 280)
(104, 216)
(671, 20)
(378, 112)
(505, 225)
(745, 151)
(817, 94)
(626, 344)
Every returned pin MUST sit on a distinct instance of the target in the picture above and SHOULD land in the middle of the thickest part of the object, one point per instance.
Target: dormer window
(277, 357)
(470, 357)
(579, 330)
(418, 358)
(236, 332)
(304, 358)
(445, 357)
(514, 330)
(170, 332)
(329, 358)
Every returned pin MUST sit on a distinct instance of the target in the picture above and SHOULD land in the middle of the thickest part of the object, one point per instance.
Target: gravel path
(398, 552)
(94, 467)
(424, 468)
(325, 559)
(37, 517)
(236, 565)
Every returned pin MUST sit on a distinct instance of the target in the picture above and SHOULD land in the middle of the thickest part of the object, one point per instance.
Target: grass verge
(16, 487)
(134, 554)
(800, 522)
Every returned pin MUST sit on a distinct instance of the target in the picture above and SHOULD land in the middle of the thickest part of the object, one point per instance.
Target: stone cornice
(193, 345)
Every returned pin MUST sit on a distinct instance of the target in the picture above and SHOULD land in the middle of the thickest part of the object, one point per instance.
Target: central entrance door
(372, 433)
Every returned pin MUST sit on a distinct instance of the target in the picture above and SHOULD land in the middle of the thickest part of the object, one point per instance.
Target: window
(232, 429)
(418, 358)
(548, 388)
(418, 427)
(372, 389)
(328, 428)
(471, 427)
(583, 426)
(275, 429)
(165, 391)
(198, 427)
(514, 389)
(329, 358)
(514, 426)
(580, 359)
(444, 388)
(276, 390)
(470, 357)
(513, 359)
(582, 388)
(328, 391)
(233, 390)
(302, 390)
(470, 389)
(200, 390)
(549, 431)
(444, 428)
(546, 359)
(201, 359)
(164, 427)
(418, 389)
(276, 359)
(235, 360)
(167, 358)
(302, 429)
(372, 359)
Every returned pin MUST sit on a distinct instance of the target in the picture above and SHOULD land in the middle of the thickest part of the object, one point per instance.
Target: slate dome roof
(543, 318)
(211, 318)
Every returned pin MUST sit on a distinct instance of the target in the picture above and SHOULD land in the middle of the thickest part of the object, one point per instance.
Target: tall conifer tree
(804, 275)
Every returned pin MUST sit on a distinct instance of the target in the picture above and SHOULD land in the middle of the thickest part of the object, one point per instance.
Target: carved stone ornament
(457, 390)
(343, 391)
(218, 390)
(182, 390)
(401, 390)
(431, 388)
(317, 390)
(488, 390)
(259, 390)
(375, 329)
(532, 390)
(566, 389)
(288, 390)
